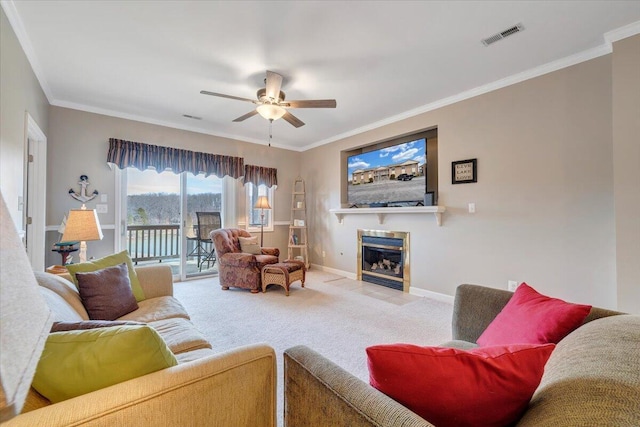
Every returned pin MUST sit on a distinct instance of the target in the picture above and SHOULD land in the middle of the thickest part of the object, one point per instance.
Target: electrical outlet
(102, 208)
(512, 285)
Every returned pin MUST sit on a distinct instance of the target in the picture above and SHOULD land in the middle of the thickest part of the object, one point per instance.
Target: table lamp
(82, 225)
(262, 203)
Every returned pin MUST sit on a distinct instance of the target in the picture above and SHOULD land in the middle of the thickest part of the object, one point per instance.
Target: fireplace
(383, 258)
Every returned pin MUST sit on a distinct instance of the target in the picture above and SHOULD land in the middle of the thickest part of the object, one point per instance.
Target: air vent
(189, 116)
(509, 31)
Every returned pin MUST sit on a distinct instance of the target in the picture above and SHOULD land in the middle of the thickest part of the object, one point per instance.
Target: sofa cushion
(180, 335)
(78, 362)
(192, 355)
(250, 245)
(61, 309)
(106, 293)
(62, 297)
(532, 318)
(592, 378)
(110, 261)
(488, 386)
(159, 308)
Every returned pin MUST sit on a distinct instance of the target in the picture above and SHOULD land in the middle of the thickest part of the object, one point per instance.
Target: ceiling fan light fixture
(271, 111)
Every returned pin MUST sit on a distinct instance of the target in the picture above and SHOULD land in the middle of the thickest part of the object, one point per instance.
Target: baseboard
(430, 294)
(412, 290)
(346, 274)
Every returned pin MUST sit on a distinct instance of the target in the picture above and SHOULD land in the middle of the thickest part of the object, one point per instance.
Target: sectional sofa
(234, 388)
(591, 379)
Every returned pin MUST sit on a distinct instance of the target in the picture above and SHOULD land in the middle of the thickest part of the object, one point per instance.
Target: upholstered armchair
(237, 268)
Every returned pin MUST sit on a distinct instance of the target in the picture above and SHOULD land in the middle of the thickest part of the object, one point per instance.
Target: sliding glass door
(203, 213)
(160, 219)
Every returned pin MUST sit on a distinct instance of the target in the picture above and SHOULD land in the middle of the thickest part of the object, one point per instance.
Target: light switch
(472, 208)
(104, 198)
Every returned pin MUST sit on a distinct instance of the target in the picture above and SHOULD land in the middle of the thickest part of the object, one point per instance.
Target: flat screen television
(390, 176)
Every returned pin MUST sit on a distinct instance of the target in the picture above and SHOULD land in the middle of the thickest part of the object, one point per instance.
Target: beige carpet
(335, 316)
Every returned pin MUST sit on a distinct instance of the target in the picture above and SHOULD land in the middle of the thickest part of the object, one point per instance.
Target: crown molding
(172, 125)
(547, 68)
(622, 32)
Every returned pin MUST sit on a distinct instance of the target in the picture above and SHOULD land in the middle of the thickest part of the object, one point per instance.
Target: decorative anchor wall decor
(84, 183)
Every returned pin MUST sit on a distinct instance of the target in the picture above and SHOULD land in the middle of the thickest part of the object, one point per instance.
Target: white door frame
(35, 192)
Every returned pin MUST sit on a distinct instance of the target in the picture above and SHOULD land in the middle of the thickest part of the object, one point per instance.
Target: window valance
(143, 156)
(260, 175)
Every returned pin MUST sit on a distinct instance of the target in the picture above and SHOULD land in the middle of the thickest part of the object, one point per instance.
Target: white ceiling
(381, 60)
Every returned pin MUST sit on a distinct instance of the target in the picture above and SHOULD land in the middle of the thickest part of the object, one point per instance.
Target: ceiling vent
(499, 36)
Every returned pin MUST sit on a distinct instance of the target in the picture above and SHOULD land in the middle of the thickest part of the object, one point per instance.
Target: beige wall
(78, 144)
(556, 158)
(544, 195)
(20, 92)
(626, 159)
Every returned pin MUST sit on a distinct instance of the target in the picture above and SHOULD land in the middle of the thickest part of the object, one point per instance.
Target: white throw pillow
(250, 245)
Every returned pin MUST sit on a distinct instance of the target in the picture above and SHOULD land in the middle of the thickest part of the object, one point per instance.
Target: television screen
(394, 175)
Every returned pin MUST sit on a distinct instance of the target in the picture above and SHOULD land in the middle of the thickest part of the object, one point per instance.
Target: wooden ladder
(298, 243)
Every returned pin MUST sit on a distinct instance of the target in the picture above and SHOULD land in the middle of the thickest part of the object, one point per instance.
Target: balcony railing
(153, 242)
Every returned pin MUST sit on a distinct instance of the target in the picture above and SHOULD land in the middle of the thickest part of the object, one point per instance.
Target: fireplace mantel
(381, 212)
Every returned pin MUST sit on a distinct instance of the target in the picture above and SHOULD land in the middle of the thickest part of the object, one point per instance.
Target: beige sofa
(235, 388)
(591, 379)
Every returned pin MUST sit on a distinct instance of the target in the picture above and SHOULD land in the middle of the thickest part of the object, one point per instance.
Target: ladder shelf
(298, 244)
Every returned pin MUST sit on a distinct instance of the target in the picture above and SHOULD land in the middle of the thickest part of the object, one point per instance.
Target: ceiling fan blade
(311, 103)
(246, 116)
(274, 83)
(293, 119)
(221, 95)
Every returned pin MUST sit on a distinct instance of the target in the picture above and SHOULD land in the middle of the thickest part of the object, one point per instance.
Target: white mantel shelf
(381, 212)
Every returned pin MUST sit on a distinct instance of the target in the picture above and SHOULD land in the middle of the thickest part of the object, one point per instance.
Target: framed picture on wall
(464, 171)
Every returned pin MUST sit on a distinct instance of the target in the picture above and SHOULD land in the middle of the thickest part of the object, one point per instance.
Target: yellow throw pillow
(250, 245)
(78, 362)
(109, 261)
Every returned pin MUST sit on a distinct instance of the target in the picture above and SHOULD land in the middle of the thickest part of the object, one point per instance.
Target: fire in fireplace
(383, 258)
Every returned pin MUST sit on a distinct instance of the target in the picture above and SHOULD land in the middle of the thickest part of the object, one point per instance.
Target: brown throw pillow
(106, 294)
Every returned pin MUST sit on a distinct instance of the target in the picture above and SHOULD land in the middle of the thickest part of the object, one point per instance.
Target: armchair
(236, 268)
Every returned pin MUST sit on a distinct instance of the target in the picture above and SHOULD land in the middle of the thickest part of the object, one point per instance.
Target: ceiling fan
(271, 103)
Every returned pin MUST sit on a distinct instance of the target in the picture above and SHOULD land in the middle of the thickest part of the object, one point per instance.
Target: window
(254, 215)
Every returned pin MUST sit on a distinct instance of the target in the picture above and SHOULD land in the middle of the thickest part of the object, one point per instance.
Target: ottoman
(282, 273)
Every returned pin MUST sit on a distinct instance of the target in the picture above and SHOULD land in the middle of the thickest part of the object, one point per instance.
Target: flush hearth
(383, 258)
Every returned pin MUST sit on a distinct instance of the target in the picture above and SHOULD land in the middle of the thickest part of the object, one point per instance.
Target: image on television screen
(393, 175)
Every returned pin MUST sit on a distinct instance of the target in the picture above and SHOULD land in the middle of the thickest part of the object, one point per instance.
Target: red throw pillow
(488, 386)
(532, 318)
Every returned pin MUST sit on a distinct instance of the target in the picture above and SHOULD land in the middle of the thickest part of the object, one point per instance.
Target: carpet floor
(333, 315)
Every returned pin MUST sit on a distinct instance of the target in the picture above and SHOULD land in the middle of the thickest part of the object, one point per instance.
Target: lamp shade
(25, 319)
(82, 225)
(262, 203)
(271, 111)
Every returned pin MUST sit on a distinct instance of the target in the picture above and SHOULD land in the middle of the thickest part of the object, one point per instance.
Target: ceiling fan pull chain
(270, 132)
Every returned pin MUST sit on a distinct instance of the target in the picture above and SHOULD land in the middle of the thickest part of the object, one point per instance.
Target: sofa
(236, 268)
(592, 377)
(234, 388)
